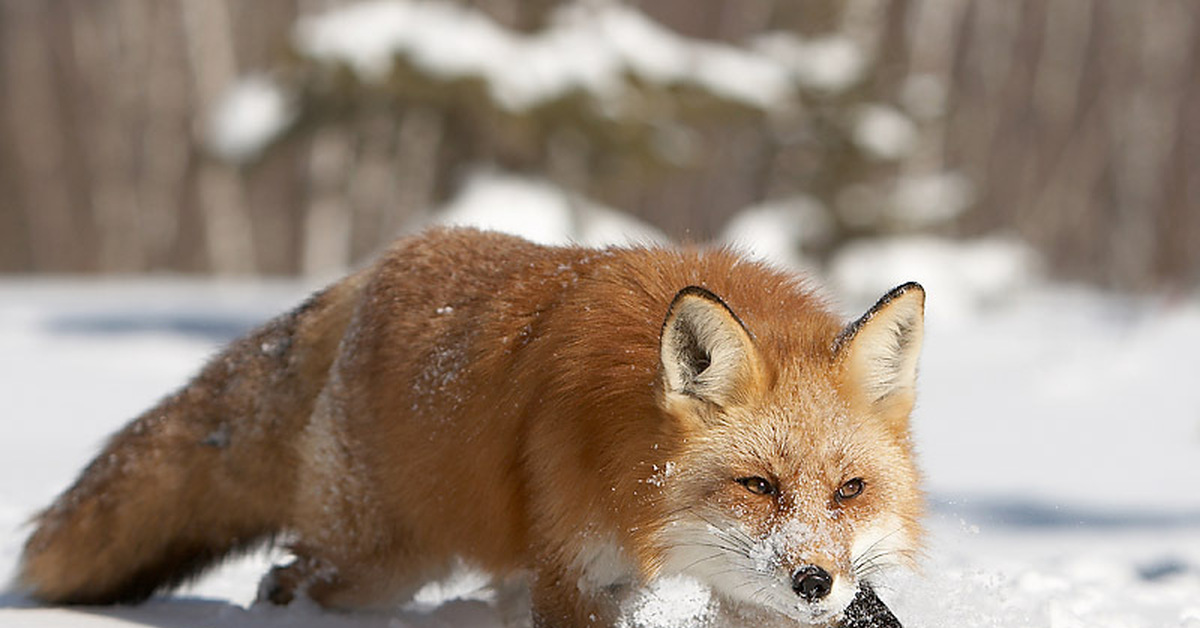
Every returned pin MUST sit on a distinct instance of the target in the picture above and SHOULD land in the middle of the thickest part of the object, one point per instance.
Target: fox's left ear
(879, 351)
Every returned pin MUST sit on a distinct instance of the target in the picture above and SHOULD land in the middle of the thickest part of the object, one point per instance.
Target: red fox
(585, 421)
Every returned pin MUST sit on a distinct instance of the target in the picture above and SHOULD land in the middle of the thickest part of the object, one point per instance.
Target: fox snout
(820, 585)
(812, 583)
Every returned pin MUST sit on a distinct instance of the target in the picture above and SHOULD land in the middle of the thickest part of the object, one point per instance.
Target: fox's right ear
(706, 352)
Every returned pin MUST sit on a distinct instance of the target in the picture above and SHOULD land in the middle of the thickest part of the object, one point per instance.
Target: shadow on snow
(1025, 513)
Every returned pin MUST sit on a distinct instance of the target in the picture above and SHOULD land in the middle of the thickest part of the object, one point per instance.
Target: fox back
(584, 421)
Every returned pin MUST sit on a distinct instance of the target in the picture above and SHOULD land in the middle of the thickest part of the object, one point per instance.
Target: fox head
(794, 483)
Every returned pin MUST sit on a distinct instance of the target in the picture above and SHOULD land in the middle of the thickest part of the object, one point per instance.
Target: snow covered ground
(1059, 430)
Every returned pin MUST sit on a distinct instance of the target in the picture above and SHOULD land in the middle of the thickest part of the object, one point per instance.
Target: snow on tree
(610, 104)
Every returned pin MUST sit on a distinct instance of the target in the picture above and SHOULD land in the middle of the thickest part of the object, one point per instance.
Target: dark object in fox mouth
(868, 611)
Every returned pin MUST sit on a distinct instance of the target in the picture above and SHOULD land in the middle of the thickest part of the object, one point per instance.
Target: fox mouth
(819, 613)
(756, 572)
(751, 572)
(866, 610)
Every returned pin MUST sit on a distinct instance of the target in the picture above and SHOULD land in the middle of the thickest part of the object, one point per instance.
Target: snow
(654, 52)
(1079, 388)
(541, 212)
(932, 199)
(588, 46)
(779, 231)
(604, 49)
(677, 602)
(961, 277)
(830, 63)
(248, 117)
(884, 132)
(742, 76)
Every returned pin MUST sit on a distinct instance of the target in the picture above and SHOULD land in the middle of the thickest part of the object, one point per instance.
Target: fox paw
(284, 583)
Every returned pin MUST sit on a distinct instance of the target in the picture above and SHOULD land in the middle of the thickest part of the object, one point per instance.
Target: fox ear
(706, 351)
(879, 350)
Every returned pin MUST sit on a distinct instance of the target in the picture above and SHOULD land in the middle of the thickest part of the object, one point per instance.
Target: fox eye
(757, 485)
(851, 489)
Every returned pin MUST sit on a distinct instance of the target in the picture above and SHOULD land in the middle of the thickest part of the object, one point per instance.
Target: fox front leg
(558, 602)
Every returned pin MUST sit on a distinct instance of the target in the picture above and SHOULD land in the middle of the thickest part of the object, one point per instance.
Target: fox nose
(812, 583)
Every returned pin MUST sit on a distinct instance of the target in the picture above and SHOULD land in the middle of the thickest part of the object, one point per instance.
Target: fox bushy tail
(209, 471)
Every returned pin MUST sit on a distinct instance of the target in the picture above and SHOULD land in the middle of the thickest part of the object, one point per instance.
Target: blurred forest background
(1071, 124)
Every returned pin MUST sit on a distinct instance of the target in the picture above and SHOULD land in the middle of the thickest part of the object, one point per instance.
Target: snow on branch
(623, 65)
(592, 47)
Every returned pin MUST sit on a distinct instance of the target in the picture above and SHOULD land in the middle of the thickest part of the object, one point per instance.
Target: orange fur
(523, 408)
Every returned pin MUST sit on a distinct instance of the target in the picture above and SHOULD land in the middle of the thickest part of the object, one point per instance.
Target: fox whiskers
(878, 557)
